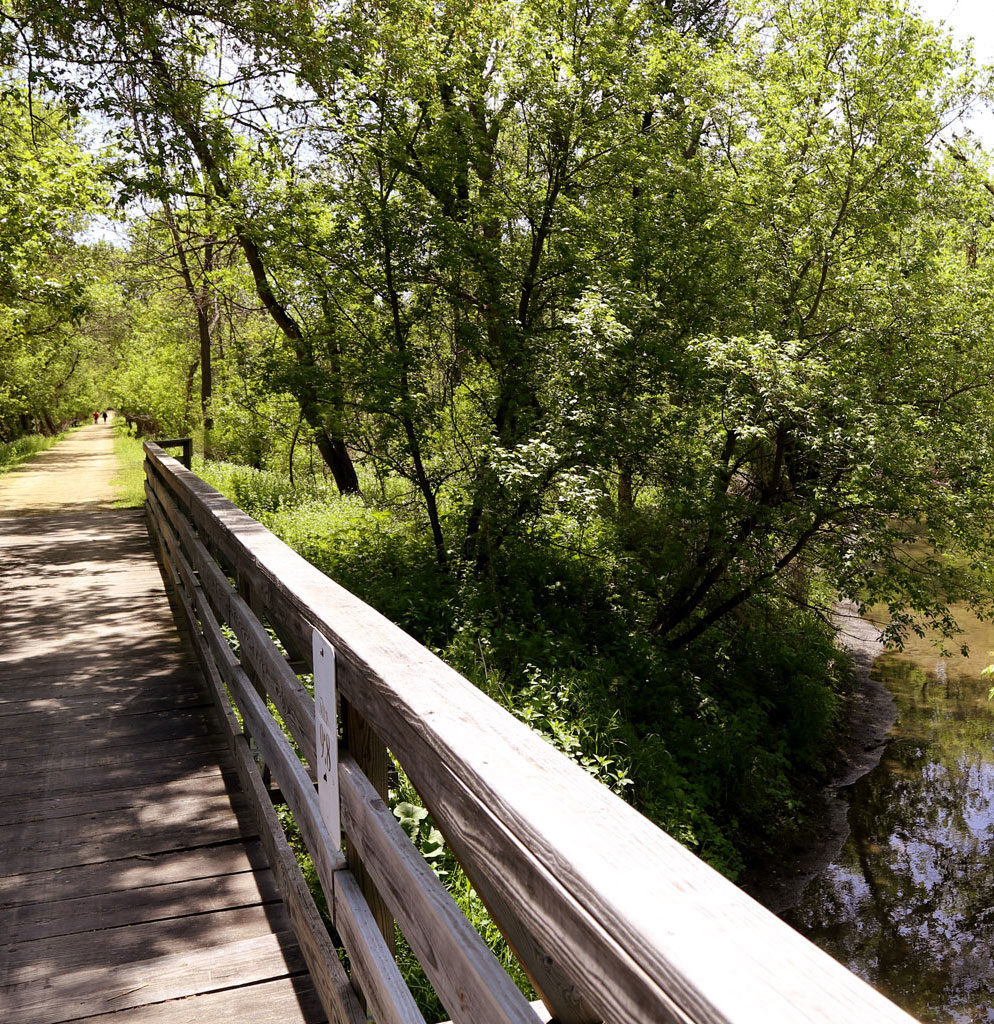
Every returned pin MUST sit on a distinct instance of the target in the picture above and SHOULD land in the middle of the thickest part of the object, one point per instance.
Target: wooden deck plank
(117, 775)
(101, 734)
(69, 842)
(132, 886)
(138, 872)
(132, 753)
(51, 637)
(210, 780)
(33, 921)
(128, 945)
(73, 994)
(175, 807)
(73, 673)
(99, 704)
(268, 999)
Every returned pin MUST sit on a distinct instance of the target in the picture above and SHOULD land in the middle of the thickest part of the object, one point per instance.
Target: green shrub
(717, 744)
(258, 491)
(12, 453)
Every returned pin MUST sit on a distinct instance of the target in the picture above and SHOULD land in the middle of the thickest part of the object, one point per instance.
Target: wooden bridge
(145, 875)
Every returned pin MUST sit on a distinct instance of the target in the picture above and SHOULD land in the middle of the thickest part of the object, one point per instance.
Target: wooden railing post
(371, 755)
(247, 593)
(185, 444)
(154, 530)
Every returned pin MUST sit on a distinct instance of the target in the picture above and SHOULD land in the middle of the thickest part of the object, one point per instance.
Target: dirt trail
(117, 779)
(74, 474)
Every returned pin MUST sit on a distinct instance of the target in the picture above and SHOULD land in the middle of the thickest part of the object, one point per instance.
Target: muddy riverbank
(868, 717)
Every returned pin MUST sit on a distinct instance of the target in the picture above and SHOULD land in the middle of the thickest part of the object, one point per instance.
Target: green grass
(129, 482)
(13, 453)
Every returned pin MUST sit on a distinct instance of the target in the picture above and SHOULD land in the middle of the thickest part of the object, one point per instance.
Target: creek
(908, 902)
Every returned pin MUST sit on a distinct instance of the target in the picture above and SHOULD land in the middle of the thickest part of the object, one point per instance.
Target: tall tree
(48, 190)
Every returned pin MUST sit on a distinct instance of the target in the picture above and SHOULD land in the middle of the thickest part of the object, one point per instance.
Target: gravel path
(74, 474)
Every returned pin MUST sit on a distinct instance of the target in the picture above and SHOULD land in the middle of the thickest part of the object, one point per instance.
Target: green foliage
(726, 358)
(296, 841)
(716, 745)
(260, 492)
(129, 481)
(418, 824)
(632, 335)
(48, 188)
(13, 453)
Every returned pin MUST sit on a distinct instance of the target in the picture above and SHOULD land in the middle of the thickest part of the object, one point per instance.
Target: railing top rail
(644, 930)
(183, 443)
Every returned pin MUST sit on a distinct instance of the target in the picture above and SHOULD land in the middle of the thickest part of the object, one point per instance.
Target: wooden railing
(185, 445)
(611, 918)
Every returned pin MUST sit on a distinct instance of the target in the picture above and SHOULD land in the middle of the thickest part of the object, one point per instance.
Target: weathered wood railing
(612, 919)
(185, 445)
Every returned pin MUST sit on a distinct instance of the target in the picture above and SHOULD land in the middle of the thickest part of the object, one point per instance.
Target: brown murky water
(909, 902)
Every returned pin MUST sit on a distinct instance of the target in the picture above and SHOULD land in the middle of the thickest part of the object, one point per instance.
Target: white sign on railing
(326, 724)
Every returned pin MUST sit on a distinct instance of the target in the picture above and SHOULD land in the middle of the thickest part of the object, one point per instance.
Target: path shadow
(84, 615)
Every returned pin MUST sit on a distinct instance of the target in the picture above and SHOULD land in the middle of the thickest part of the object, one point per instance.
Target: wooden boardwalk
(132, 886)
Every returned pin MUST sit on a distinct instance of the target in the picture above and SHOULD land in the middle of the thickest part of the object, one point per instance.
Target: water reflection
(909, 902)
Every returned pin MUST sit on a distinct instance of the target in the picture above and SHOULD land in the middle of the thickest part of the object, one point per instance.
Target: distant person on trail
(105, 415)
(96, 416)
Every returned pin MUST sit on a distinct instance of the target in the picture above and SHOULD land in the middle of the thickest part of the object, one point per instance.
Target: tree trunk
(330, 443)
(626, 501)
(413, 440)
(204, 334)
(199, 297)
